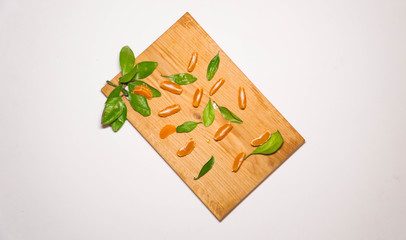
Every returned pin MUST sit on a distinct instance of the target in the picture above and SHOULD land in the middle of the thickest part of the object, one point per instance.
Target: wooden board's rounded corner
(302, 140)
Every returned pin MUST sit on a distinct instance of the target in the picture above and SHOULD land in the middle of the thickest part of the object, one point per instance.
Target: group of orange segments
(221, 132)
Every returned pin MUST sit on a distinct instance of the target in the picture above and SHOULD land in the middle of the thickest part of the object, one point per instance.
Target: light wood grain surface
(220, 189)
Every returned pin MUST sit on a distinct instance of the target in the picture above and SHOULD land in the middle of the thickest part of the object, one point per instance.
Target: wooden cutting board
(220, 189)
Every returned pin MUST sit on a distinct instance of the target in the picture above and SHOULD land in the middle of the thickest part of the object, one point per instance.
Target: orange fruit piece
(143, 91)
(261, 139)
(242, 98)
(197, 97)
(169, 110)
(238, 161)
(171, 87)
(166, 131)
(192, 62)
(222, 132)
(188, 148)
(217, 86)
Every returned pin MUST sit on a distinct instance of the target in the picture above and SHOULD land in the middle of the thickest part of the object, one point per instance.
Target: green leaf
(112, 110)
(139, 104)
(132, 85)
(270, 146)
(127, 60)
(206, 168)
(213, 66)
(139, 71)
(119, 122)
(208, 114)
(115, 93)
(144, 69)
(182, 78)
(129, 76)
(228, 115)
(187, 126)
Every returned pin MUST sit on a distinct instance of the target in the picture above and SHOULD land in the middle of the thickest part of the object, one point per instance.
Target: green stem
(125, 92)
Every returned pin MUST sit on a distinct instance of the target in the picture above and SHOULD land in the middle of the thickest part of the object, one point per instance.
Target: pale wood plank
(221, 189)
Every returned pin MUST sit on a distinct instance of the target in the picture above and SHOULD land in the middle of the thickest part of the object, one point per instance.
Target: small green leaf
(112, 110)
(127, 60)
(228, 115)
(187, 127)
(213, 66)
(144, 69)
(270, 146)
(132, 85)
(129, 76)
(206, 168)
(119, 122)
(115, 93)
(182, 78)
(139, 104)
(208, 114)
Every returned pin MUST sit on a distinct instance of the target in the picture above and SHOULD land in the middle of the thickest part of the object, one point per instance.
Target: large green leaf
(119, 122)
(139, 104)
(208, 114)
(270, 146)
(206, 167)
(187, 126)
(127, 60)
(228, 115)
(112, 110)
(115, 93)
(213, 66)
(144, 69)
(182, 78)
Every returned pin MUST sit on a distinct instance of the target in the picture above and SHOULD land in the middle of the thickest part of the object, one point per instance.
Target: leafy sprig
(115, 110)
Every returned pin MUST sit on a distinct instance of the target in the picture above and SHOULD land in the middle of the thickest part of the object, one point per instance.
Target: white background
(335, 69)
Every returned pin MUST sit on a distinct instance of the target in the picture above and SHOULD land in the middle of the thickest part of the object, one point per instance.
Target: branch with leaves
(115, 110)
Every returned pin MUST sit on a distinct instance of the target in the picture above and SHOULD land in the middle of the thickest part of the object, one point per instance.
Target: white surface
(335, 69)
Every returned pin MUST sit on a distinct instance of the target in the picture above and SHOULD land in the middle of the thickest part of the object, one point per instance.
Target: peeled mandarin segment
(197, 97)
(171, 87)
(188, 148)
(222, 132)
(216, 86)
(192, 62)
(261, 139)
(242, 98)
(166, 131)
(143, 91)
(168, 111)
(238, 161)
